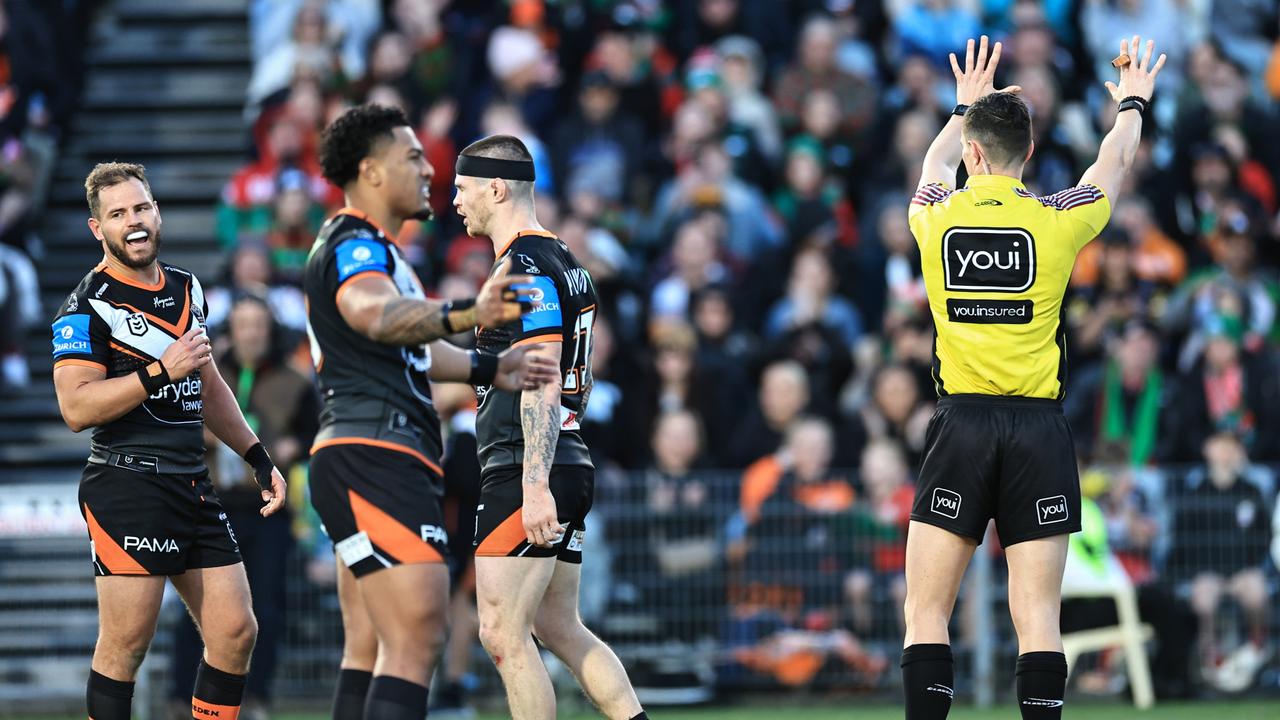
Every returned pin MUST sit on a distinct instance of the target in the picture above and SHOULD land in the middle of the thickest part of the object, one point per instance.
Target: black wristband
(154, 377)
(959, 110)
(1134, 102)
(484, 368)
(454, 306)
(260, 461)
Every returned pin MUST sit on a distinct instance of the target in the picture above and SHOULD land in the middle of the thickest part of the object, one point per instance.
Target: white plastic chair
(1130, 634)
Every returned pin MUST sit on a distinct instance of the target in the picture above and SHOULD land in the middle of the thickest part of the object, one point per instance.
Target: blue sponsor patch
(361, 255)
(546, 305)
(71, 336)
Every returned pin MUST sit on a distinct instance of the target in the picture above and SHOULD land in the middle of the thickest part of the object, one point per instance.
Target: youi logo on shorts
(988, 259)
(1051, 510)
(946, 503)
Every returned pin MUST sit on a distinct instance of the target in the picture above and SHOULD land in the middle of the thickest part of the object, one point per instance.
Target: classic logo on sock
(1051, 509)
(943, 689)
(1041, 702)
(946, 503)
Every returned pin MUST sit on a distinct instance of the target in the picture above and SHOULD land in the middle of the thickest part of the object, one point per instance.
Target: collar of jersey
(539, 233)
(999, 181)
(362, 215)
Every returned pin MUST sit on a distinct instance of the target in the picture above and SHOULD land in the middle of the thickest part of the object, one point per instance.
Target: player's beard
(424, 214)
(120, 250)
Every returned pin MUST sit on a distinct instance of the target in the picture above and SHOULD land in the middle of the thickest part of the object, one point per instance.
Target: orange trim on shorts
(401, 543)
(553, 337)
(505, 538)
(202, 710)
(346, 284)
(80, 363)
(116, 560)
(378, 444)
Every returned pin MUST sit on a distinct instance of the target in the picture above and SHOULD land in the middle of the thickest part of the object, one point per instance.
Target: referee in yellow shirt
(996, 260)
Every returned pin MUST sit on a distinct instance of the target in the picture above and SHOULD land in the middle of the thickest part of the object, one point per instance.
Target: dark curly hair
(351, 138)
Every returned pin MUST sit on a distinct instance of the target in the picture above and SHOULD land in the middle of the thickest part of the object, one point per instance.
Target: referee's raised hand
(977, 79)
(1137, 79)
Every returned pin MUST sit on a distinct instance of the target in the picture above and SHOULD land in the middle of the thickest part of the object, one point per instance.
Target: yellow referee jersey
(996, 260)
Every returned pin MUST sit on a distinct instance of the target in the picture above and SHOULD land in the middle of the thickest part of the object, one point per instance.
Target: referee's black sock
(1042, 682)
(217, 694)
(349, 696)
(108, 699)
(391, 698)
(641, 716)
(928, 681)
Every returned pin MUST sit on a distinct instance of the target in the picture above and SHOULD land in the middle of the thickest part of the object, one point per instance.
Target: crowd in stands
(735, 176)
(40, 74)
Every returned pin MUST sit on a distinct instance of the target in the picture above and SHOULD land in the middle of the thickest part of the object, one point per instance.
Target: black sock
(349, 696)
(217, 694)
(391, 698)
(641, 716)
(927, 681)
(108, 699)
(1042, 682)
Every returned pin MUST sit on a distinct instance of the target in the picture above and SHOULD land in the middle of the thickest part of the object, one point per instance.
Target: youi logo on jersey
(989, 259)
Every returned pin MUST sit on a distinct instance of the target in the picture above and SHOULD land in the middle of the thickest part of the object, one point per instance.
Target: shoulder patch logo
(529, 265)
(100, 291)
(73, 303)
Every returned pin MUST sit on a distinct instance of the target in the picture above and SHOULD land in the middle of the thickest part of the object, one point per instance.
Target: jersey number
(581, 363)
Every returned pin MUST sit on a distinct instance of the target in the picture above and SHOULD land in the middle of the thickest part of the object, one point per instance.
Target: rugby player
(132, 361)
(996, 260)
(375, 467)
(537, 480)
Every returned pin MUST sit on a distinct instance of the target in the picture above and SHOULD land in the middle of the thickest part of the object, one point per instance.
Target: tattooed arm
(540, 424)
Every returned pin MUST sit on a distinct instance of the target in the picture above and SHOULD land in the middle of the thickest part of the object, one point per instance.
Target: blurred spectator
(282, 407)
(1221, 535)
(934, 28)
(783, 395)
(724, 351)
(1113, 298)
(1230, 390)
(809, 199)
(524, 74)
(696, 264)
(600, 146)
(699, 23)
(434, 130)
(879, 539)
(607, 427)
(1156, 258)
(1106, 22)
(249, 270)
(742, 70)
(307, 50)
(898, 411)
(1124, 399)
(675, 382)
(816, 68)
(504, 118)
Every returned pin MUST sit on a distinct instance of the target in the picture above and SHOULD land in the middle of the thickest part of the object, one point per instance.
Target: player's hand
(187, 354)
(274, 498)
(1137, 77)
(541, 524)
(498, 302)
(977, 78)
(522, 368)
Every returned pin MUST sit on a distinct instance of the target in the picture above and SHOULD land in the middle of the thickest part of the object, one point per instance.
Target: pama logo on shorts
(988, 259)
(575, 540)
(946, 503)
(161, 545)
(1051, 510)
(434, 534)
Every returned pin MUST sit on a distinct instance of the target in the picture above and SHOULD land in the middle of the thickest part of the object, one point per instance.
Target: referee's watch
(1134, 102)
(959, 110)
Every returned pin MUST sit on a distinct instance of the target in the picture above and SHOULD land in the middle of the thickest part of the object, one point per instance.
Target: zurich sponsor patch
(360, 255)
(71, 335)
(546, 305)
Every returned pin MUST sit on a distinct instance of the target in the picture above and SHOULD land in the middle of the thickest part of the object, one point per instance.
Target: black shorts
(500, 527)
(1012, 459)
(380, 507)
(154, 524)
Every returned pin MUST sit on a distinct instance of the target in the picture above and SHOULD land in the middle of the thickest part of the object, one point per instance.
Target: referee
(996, 260)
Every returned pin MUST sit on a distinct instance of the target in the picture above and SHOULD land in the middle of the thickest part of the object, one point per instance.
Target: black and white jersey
(119, 325)
(373, 393)
(564, 311)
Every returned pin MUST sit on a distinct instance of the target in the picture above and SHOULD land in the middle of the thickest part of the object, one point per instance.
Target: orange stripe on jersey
(102, 266)
(357, 213)
(387, 533)
(202, 710)
(127, 351)
(378, 444)
(537, 339)
(116, 560)
(176, 330)
(540, 233)
(80, 363)
(505, 538)
(346, 284)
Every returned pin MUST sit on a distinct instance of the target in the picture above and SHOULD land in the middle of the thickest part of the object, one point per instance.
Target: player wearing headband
(537, 480)
(375, 467)
(132, 361)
